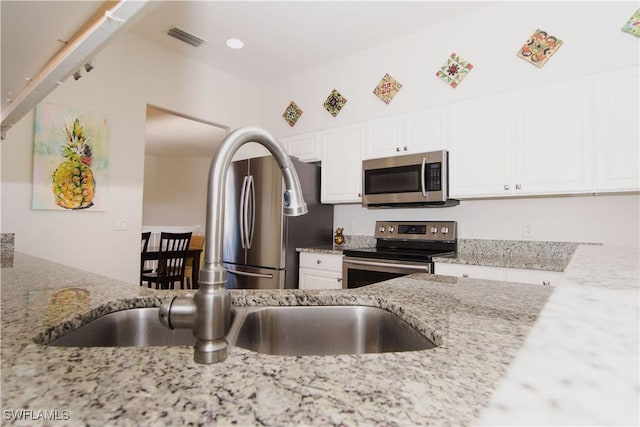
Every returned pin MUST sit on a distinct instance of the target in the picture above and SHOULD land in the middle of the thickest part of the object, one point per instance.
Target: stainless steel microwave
(412, 180)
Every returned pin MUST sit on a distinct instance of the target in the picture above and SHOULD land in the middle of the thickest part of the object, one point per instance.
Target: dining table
(194, 254)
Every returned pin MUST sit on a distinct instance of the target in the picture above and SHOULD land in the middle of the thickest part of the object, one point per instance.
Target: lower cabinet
(518, 275)
(320, 271)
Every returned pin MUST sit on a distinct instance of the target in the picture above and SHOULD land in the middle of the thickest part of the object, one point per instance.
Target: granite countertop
(532, 255)
(480, 328)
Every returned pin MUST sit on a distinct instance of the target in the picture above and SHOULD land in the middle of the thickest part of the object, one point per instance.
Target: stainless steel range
(402, 248)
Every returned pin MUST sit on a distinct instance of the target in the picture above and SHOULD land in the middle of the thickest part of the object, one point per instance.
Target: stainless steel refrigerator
(259, 241)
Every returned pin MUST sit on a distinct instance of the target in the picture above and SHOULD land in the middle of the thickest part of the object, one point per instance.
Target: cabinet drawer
(329, 262)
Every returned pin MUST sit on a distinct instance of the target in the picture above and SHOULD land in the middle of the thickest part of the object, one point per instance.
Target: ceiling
(282, 38)
(287, 37)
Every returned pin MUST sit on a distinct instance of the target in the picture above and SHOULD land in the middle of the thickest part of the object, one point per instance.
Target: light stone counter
(479, 326)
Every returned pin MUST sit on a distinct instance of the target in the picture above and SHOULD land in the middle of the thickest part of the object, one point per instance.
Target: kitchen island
(480, 328)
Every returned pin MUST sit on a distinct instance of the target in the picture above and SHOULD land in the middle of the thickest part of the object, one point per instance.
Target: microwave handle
(422, 183)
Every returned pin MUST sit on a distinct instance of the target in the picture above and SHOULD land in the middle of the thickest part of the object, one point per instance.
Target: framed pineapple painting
(70, 159)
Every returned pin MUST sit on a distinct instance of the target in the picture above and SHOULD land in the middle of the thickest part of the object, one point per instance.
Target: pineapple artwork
(73, 183)
(71, 159)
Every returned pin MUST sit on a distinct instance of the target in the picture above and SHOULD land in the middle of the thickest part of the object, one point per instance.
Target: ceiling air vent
(185, 37)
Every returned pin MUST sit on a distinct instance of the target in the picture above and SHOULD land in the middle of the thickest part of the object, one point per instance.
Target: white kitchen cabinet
(617, 133)
(306, 147)
(342, 150)
(426, 130)
(528, 142)
(534, 277)
(320, 271)
(481, 147)
(554, 138)
(414, 132)
(516, 275)
(385, 137)
(472, 271)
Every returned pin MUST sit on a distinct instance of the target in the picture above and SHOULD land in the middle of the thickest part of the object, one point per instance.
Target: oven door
(357, 272)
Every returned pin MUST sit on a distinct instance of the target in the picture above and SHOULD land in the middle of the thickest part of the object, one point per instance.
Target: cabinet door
(553, 134)
(385, 138)
(480, 147)
(425, 130)
(319, 279)
(471, 271)
(534, 277)
(306, 148)
(617, 134)
(342, 164)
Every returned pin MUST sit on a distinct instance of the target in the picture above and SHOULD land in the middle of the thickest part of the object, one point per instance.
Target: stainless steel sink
(325, 330)
(291, 330)
(133, 327)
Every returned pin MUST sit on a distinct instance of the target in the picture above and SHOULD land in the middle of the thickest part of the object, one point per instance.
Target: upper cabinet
(553, 130)
(481, 147)
(342, 148)
(414, 132)
(617, 134)
(306, 148)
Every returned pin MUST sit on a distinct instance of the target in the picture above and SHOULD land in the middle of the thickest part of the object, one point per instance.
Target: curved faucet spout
(207, 312)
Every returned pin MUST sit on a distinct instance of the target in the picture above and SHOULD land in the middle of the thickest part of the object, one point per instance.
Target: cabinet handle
(465, 275)
(546, 283)
(339, 279)
(507, 187)
(397, 148)
(318, 261)
(359, 194)
(518, 186)
(405, 148)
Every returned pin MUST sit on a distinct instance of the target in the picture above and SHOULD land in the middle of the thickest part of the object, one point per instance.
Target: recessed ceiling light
(235, 43)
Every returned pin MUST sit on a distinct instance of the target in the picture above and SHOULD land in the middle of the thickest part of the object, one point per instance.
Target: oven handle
(388, 264)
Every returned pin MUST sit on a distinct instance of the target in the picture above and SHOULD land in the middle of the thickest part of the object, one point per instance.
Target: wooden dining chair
(172, 259)
(146, 236)
(197, 242)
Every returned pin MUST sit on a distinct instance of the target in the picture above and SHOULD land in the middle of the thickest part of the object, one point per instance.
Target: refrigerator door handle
(246, 273)
(251, 196)
(242, 215)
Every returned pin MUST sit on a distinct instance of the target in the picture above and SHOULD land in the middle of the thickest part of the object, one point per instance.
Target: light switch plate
(120, 223)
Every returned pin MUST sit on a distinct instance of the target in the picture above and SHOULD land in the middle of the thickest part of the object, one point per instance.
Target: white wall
(175, 190)
(129, 74)
(489, 38)
(611, 220)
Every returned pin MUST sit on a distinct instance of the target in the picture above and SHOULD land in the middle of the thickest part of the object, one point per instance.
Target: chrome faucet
(207, 313)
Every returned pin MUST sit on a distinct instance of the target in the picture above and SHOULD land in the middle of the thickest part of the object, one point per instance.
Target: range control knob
(434, 230)
(382, 229)
(444, 230)
(392, 229)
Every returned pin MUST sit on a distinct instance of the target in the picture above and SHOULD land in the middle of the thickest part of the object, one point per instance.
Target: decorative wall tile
(633, 24)
(387, 89)
(334, 102)
(454, 70)
(539, 48)
(292, 113)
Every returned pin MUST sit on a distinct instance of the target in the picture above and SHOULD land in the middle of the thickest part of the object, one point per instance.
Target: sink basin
(134, 327)
(291, 330)
(326, 330)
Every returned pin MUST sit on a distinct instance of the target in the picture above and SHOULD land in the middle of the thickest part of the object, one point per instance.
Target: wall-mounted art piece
(454, 70)
(292, 113)
(539, 48)
(633, 24)
(334, 102)
(70, 159)
(387, 89)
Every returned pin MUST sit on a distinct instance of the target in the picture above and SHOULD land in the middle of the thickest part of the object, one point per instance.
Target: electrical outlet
(527, 229)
